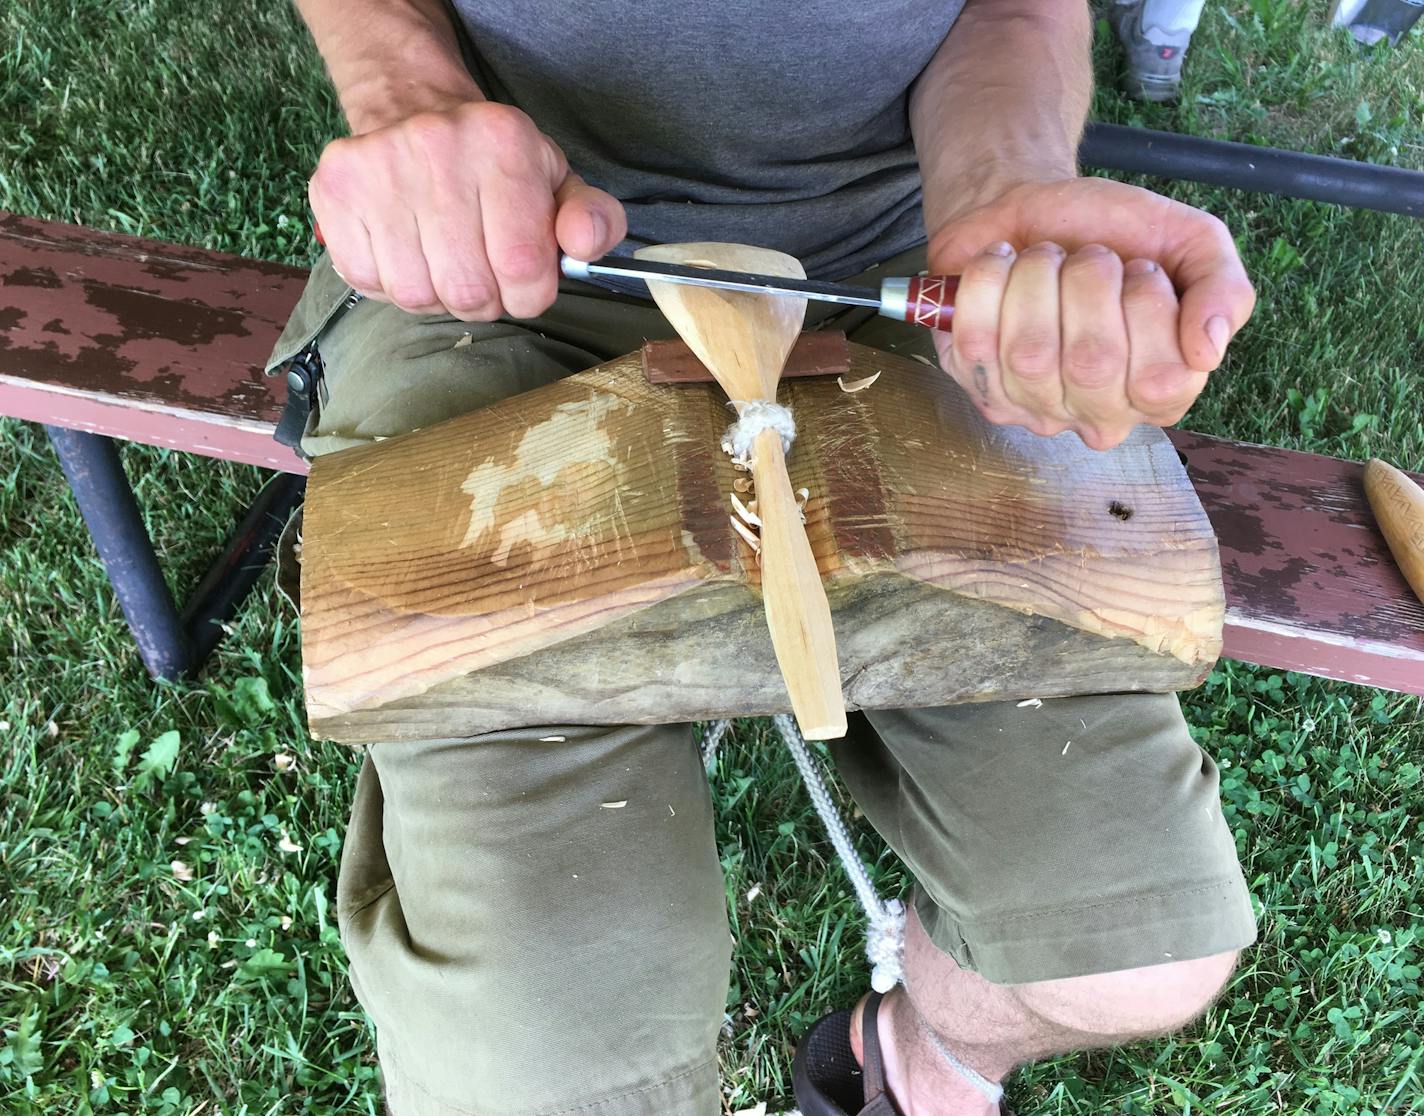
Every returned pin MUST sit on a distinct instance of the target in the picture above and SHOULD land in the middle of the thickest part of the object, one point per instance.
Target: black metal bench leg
(231, 577)
(106, 500)
(170, 645)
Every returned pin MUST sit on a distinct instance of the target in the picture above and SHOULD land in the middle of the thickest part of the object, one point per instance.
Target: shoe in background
(1155, 35)
(1371, 21)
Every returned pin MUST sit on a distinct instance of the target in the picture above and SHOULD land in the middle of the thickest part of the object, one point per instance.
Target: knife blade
(923, 300)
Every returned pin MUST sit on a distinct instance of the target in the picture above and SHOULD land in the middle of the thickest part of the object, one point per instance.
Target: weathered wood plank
(568, 553)
(141, 340)
(1311, 585)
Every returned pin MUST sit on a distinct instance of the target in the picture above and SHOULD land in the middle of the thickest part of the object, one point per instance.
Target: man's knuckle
(337, 172)
(1093, 362)
(985, 273)
(977, 346)
(411, 294)
(465, 296)
(505, 131)
(1161, 388)
(363, 277)
(1216, 227)
(1095, 264)
(431, 132)
(1146, 294)
(998, 415)
(523, 263)
(1032, 356)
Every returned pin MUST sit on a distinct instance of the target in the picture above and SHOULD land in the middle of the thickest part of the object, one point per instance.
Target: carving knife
(924, 300)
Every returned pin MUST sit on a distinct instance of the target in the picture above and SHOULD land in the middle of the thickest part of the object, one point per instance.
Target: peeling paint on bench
(151, 342)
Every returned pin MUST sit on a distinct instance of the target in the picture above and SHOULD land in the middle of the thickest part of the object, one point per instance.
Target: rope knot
(754, 416)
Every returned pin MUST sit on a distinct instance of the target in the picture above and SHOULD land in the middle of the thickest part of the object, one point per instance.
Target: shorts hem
(1096, 937)
(688, 1092)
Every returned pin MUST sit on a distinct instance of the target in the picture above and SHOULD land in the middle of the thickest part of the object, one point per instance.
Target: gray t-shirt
(782, 123)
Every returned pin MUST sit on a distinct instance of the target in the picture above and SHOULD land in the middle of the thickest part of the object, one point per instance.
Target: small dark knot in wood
(1120, 511)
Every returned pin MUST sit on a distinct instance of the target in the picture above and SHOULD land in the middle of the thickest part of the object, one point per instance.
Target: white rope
(992, 1090)
(712, 737)
(885, 929)
(885, 921)
(754, 416)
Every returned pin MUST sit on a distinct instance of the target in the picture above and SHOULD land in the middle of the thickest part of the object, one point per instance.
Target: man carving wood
(523, 951)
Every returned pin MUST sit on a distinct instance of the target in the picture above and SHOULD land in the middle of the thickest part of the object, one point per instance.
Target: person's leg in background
(522, 947)
(1155, 35)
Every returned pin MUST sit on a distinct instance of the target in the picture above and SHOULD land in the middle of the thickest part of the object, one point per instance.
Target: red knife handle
(922, 300)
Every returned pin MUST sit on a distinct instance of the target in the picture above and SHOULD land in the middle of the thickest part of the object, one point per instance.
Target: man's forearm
(389, 59)
(1003, 101)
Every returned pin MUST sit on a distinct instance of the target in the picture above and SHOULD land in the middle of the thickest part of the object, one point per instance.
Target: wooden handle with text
(1398, 504)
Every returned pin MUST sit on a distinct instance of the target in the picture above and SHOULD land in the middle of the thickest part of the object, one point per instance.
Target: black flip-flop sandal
(826, 1078)
(828, 1081)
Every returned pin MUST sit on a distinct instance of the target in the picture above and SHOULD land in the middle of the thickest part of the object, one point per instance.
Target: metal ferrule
(895, 298)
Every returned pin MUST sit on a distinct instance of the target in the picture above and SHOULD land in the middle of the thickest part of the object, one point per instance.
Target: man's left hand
(1088, 305)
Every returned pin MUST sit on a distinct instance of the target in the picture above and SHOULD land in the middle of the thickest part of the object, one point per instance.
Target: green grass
(126, 989)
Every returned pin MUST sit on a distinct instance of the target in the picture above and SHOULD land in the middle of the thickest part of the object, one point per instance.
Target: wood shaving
(754, 892)
(751, 540)
(742, 484)
(180, 871)
(706, 265)
(856, 385)
(552, 739)
(465, 340)
(749, 517)
(1030, 703)
(1065, 749)
(614, 805)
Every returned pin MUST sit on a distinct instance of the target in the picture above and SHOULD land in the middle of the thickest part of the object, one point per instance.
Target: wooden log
(566, 556)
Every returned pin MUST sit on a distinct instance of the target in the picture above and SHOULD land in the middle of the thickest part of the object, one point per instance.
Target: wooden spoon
(1398, 504)
(744, 339)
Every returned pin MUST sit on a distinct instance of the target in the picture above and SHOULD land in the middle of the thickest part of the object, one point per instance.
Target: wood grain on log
(566, 556)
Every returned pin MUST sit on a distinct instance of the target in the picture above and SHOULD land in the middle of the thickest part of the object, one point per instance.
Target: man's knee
(1130, 1003)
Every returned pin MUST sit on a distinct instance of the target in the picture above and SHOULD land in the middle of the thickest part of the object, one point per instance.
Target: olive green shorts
(524, 952)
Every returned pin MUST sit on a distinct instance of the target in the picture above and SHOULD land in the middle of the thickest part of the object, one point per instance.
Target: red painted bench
(106, 336)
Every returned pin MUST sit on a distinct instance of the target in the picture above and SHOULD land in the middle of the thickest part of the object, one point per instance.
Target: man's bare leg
(994, 1027)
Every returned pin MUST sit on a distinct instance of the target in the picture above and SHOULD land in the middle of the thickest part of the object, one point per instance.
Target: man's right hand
(461, 211)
